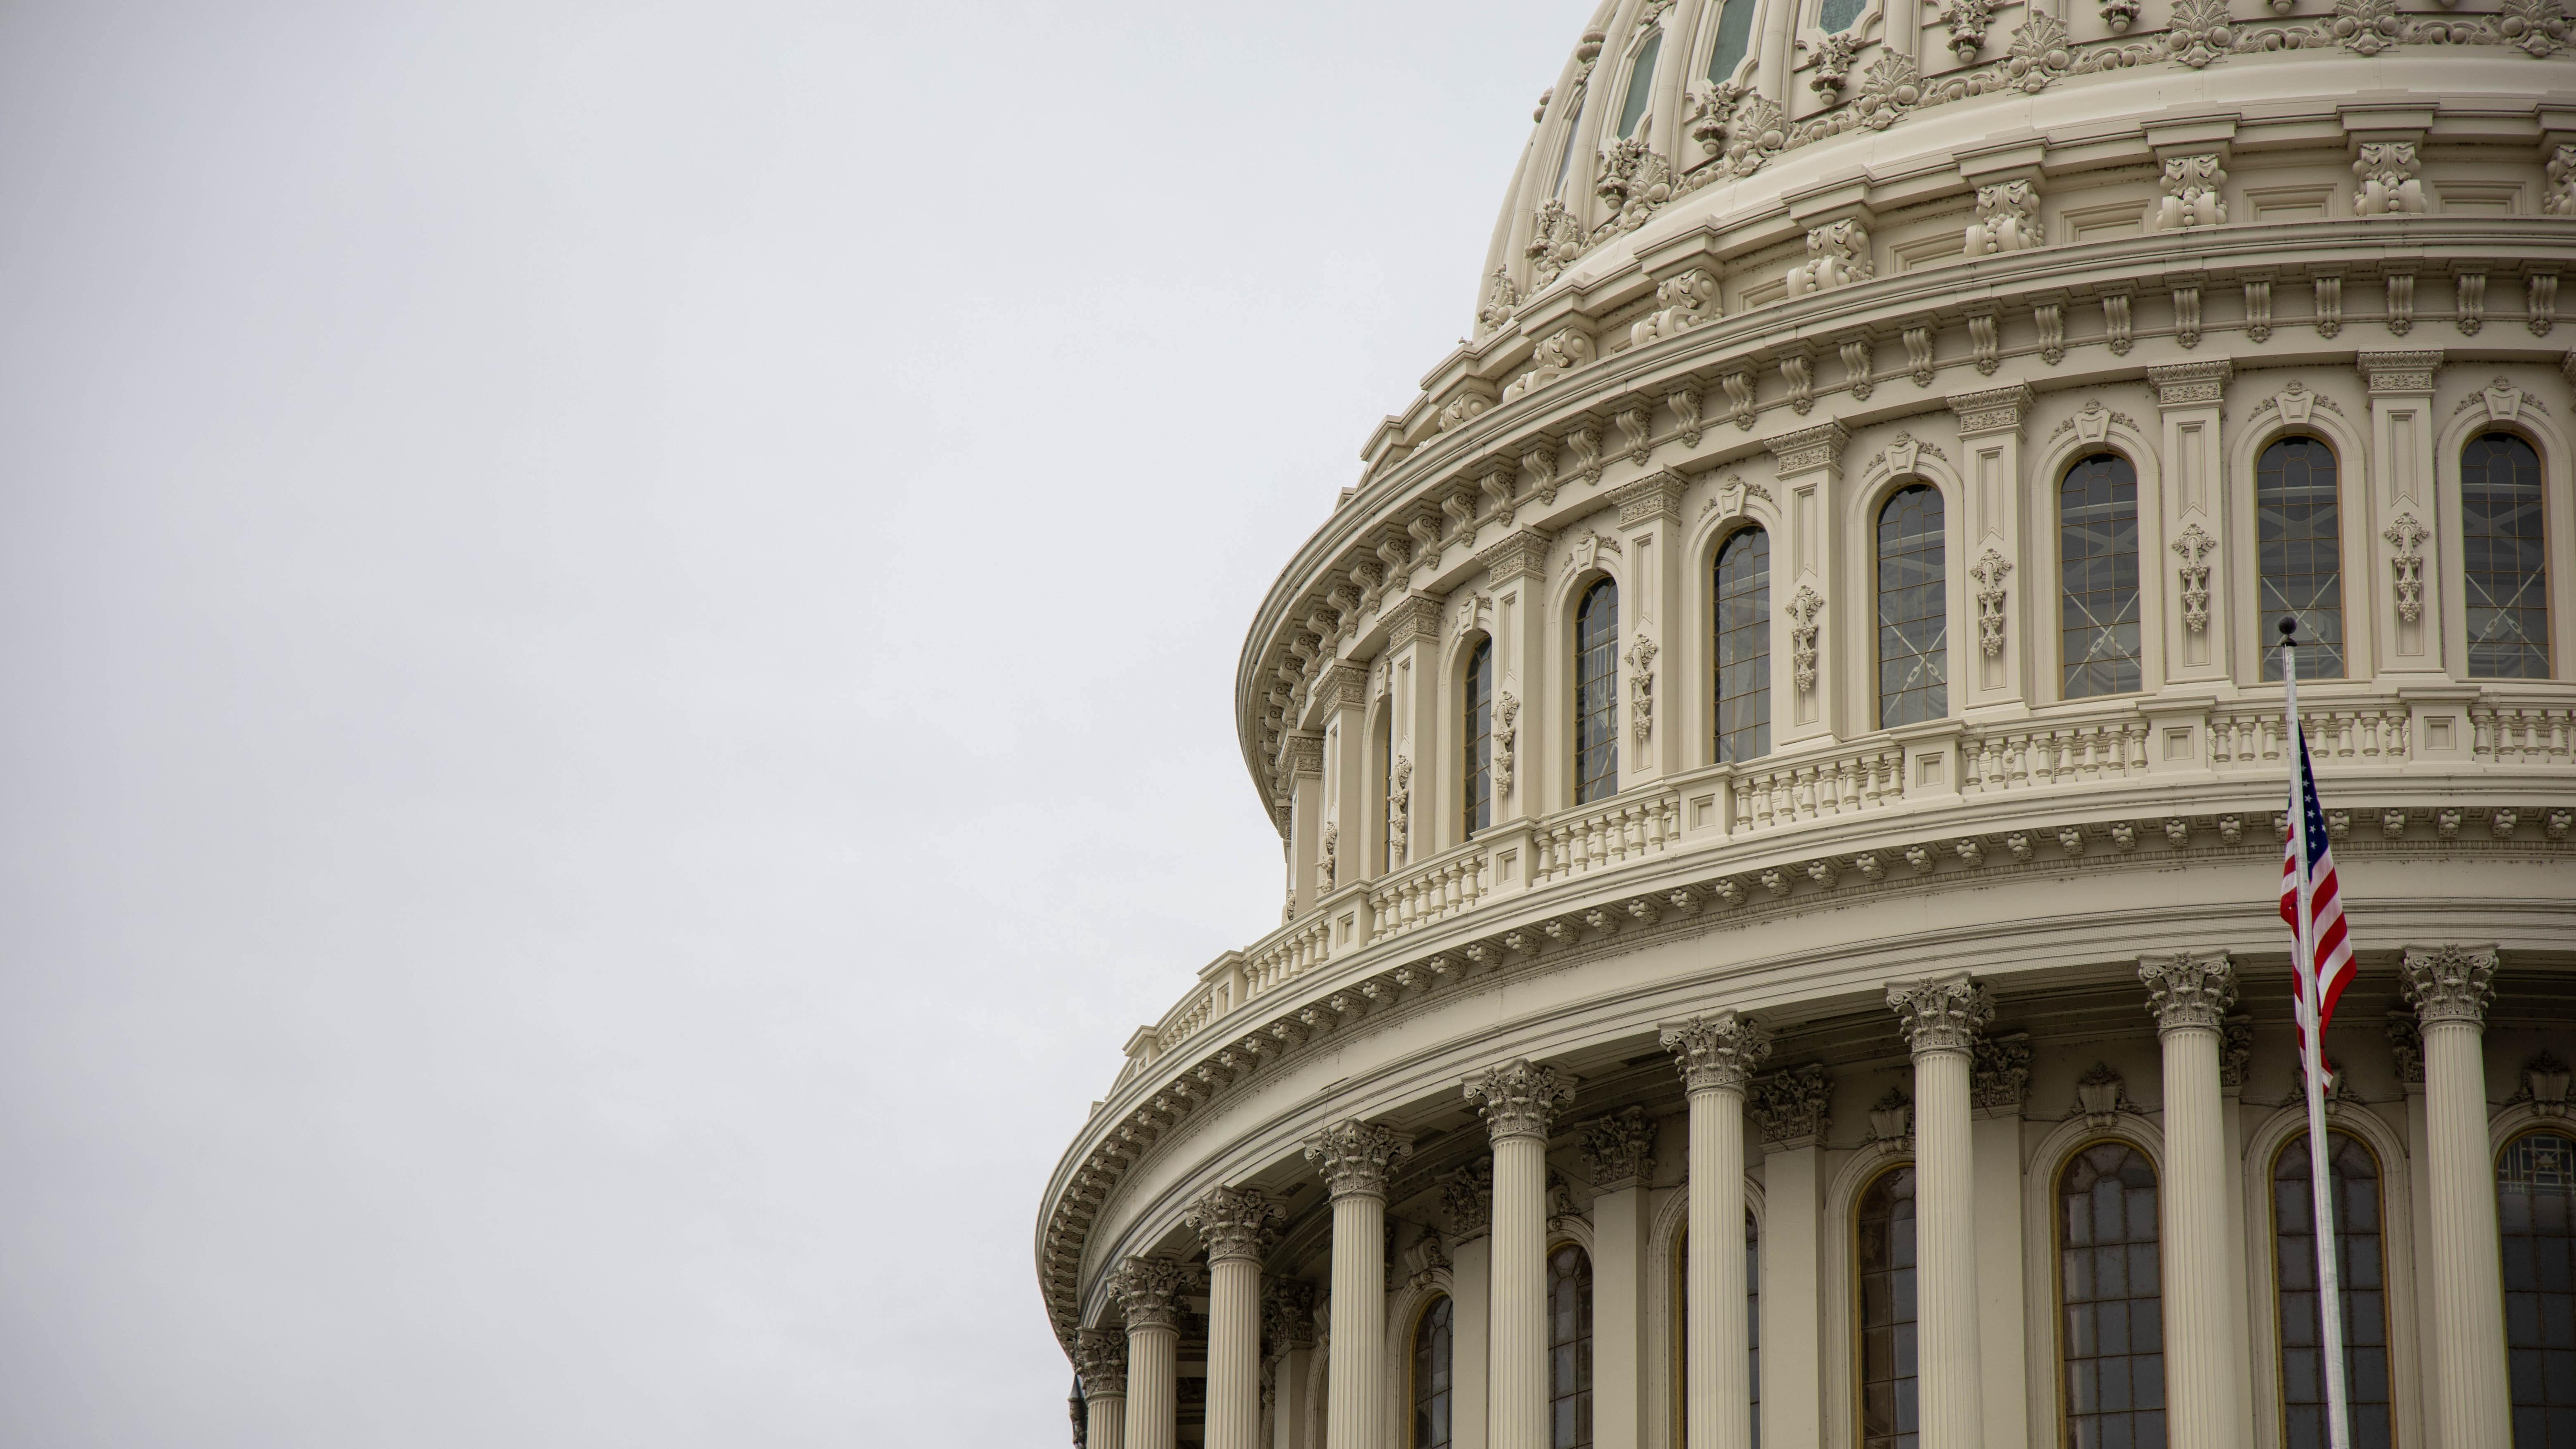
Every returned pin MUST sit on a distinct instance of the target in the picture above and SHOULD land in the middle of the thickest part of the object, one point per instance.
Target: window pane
(1734, 37)
(2501, 556)
(1596, 694)
(2097, 558)
(1390, 848)
(1569, 1374)
(2535, 1179)
(1836, 16)
(1431, 1369)
(2355, 1175)
(1913, 652)
(2112, 1346)
(1884, 1227)
(1744, 647)
(2298, 551)
(1480, 737)
(1641, 85)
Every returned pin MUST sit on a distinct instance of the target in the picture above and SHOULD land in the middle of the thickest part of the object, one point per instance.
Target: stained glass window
(2502, 556)
(1913, 613)
(1596, 694)
(2097, 560)
(2111, 1299)
(2298, 549)
(2358, 1267)
(2536, 1214)
(1744, 646)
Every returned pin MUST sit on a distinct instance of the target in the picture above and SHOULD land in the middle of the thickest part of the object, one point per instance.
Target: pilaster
(1993, 670)
(1100, 1356)
(1412, 664)
(1342, 860)
(1615, 1151)
(1302, 756)
(2188, 529)
(1516, 578)
(1807, 583)
(1651, 651)
(1288, 1336)
(1790, 1106)
(1998, 1085)
(2402, 518)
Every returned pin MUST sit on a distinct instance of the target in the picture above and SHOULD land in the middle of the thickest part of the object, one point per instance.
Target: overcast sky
(618, 627)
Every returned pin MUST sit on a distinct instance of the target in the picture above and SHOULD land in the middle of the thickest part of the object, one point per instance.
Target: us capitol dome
(1780, 763)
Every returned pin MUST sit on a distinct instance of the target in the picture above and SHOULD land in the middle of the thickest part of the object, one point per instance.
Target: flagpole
(2303, 964)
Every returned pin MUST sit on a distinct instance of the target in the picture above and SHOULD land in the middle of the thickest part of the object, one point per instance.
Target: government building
(1780, 768)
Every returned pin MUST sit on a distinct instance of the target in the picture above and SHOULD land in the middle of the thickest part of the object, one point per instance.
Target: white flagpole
(2303, 962)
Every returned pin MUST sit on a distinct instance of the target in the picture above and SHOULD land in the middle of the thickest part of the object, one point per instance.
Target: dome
(1787, 729)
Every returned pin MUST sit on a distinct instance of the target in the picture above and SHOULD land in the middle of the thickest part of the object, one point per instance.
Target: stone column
(1288, 1322)
(2189, 992)
(1357, 1158)
(1997, 1085)
(1149, 1289)
(1230, 1221)
(1939, 1018)
(1617, 1156)
(1716, 1055)
(1520, 1103)
(1790, 1105)
(1100, 1355)
(2449, 987)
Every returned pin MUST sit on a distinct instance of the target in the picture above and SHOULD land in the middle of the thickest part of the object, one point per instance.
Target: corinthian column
(2449, 987)
(1519, 1102)
(1357, 1158)
(1940, 1018)
(1716, 1054)
(1229, 1221)
(1100, 1355)
(2189, 994)
(1149, 1289)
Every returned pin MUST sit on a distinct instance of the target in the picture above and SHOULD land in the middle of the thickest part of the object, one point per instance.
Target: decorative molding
(1100, 1356)
(1802, 636)
(1231, 1222)
(1148, 1291)
(1585, 554)
(1989, 573)
(1891, 1121)
(2194, 546)
(2007, 218)
(2399, 372)
(1901, 454)
(2544, 1085)
(2191, 384)
(1728, 501)
(1717, 1051)
(1808, 449)
(2192, 184)
(2101, 1096)
(1519, 1099)
(2406, 1048)
(2387, 183)
(1467, 1198)
(1790, 1105)
(1618, 1150)
(1641, 687)
(1520, 554)
(2406, 560)
(1996, 410)
(1287, 1317)
(1941, 1014)
(2449, 983)
(1657, 495)
(1357, 1157)
(1837, 256)
(1507, 716)
(1999, 1075)
(2235, 1054)
(2188, 990)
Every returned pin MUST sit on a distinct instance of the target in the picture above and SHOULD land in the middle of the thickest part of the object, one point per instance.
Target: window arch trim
(1572, 596)
(1873, 658)
(2558, 533)
(1408, 1308)
(2249, 634)
(2140, 502)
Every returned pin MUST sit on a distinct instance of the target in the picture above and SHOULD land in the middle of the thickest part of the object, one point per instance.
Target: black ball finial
(2289, 628)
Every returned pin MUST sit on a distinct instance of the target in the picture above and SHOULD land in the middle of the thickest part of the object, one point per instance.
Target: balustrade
(2028, 756)
(2253, 736)
(1432, 891)
(2522, 734)
(1605, 835)
(1818, 789)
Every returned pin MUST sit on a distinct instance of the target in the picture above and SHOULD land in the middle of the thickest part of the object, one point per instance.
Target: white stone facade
(1975, 249)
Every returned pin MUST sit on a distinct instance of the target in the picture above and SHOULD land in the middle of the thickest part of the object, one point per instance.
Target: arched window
(1479, 735)
(2358, 1264)
(1569, 1348)
(2501, 556)
(1734, 37)
(1883, 1230)
(1753, 1327)
(1573, 133)
(1744, 647)
(1431, 1377)
(2110, 1298)
(1596, 694)
(1913, 611)
(1641, 85)
(2535, 1185)
(2097, 561)
(1753, 1312)
(1390, 847)
(2298, 550)
(1836, 16)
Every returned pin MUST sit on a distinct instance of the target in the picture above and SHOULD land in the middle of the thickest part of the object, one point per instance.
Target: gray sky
(618, 626)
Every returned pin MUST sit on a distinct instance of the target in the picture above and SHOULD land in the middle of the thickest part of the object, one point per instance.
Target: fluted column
(1716, 1055)
(1940, 1018)
(1230, 1221)
(2189, 993)
(1519, 1102)
(2449, 987)
(1357, 1158)
(1100, 1355)
(1149, 1289)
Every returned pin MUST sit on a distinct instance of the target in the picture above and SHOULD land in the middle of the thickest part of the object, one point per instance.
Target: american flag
(2333, 946)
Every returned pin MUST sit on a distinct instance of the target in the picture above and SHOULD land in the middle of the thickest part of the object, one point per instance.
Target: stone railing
(2251, 734)
(2511, 732)
(2028, 756)
(1435, 890)
(1793, 793)
(1285, 954)
(1631, 827)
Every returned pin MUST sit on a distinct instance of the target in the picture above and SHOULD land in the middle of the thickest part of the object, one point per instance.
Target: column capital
(1467, 1198)
(1518, 554)
(1288, 1315)
(1100, 1356)
(1790, 1104)
(1718, 1050)
(1149, 1290)
(1994, 410)
(2399, 372)
(1808, 449)
(1999, 1073)
(1941, 1014)
(1301, 753)
(1357, 1157)
(1519, 1099)
(2188, 990)
(2191, 384)
(1230, 1222)
(1618, 1150)
(2449, 983)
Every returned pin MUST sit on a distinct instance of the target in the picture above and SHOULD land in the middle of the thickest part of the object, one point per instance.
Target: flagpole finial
(2290, 629)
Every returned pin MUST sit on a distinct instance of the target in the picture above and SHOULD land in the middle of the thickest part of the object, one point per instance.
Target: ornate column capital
(1100, 1356)
(1994, 410)
(1618, 1150)
(1999, 1073)
(1941, 1014)
(1519, 1099)
(1149, 1290)
(1467, 1198)
(1357, 1157)
(2188, 990)
(1288, 1315)
(1658, 495)
(1790, 1105)
(1808, 449)
(1301, 753)
(1519, 554)
(1718, 1050)
(2399, 372)
(2450, 983)
(1230, 1222)
(2191, 384)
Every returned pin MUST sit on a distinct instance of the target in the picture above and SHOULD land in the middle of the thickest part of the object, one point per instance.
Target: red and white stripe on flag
(2325, 902)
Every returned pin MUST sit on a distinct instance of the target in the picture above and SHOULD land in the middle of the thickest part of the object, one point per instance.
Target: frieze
(1809, 448)
(1995, 410)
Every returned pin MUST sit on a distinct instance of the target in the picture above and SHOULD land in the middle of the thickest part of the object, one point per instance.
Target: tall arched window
(1744, 645)
(1390, 849)
(1641, 85)
(2097, 562)
(1573, 136)
(1913, 610)
(2358, 1264)
(1431, 1334)
(2110, 1298)
(1883, 1230)
(2502, 559)
(2535, 1187)
(1596, 694)
(2298, 551)
(1836, 16)
(1753, 1327)
(1734, 37)
(1479, 734)
(1569, 1348)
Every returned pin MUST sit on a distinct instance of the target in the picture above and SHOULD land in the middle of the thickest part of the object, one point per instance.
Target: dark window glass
(1573, 132)
(2299, 554)
(1734, 37)
(1836, 16)
(2355, 1175)
(1913, 613)
(1596, 694)
(1480, 737)
(1388, 855)
(1885, 1231)
(2097, 560)
(1753, 1328)
(2501, 553)
(1641, 85)
(1431, 1378)
(1569, 1349)
(2111, 1300)
(1744, 647)
(2535, 1185)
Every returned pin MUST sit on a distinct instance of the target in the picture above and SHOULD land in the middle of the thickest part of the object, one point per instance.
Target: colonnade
(1131, 1392)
